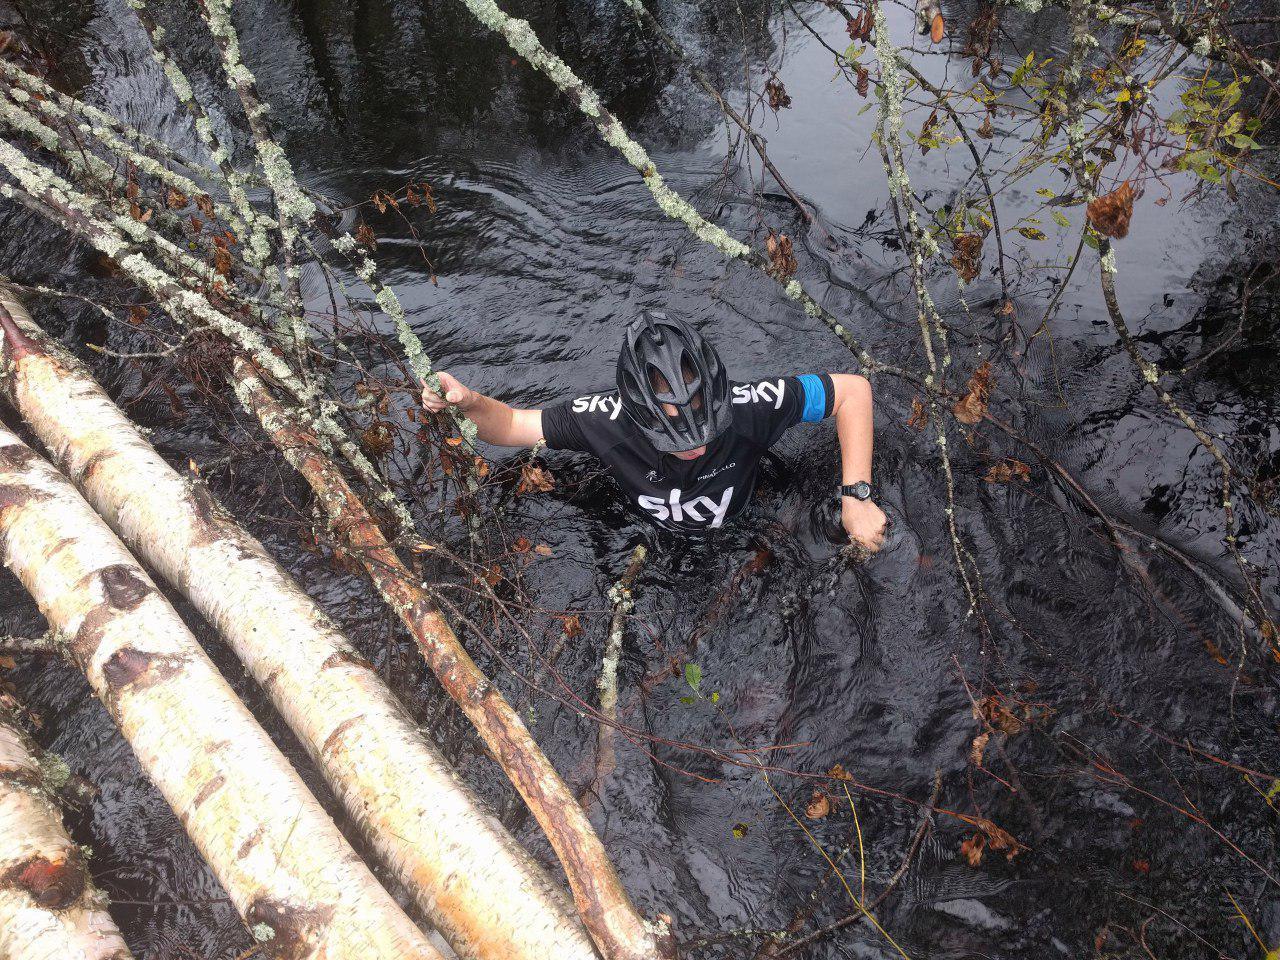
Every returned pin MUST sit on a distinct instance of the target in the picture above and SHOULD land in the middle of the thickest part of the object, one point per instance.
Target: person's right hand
(455, 394)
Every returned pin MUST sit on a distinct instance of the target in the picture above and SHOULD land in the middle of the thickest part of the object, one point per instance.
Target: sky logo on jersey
(697, 510)
(602, 403)
(766, 391)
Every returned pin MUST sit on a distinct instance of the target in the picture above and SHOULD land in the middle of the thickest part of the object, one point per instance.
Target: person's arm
(862, 519)
(495, 421)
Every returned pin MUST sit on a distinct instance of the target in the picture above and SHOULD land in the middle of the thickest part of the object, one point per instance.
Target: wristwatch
(859, 491)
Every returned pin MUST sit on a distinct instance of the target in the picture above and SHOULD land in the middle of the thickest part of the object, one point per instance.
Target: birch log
(617, 928)
(49, 909)
(300, 887)
(474, 882)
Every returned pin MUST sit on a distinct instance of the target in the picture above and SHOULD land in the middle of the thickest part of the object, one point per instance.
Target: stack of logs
(73, 529)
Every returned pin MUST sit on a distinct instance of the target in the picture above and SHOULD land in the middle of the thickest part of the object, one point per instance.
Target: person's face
(661, 385)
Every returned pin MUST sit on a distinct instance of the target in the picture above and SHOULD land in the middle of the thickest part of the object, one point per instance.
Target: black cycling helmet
(664, 360)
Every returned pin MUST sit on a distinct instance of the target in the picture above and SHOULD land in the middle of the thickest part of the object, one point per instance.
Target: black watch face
(860, 490)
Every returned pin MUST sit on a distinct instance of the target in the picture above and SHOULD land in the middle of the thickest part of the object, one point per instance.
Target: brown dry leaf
(366, 237)
(1142, 866)
(973, 848)
(382, 200)
(481, 468)
(494, 576)
(1006, 471)
(819, 806)
(986, 131)
(542, 550)
(919, 414)
(176, 199)
(7, 663)
(977, 747)
(1110, 214)
(782, 261)
(1007, 308)
(863, 81)
(998, 838)
(204, 203)
(973, 405)
(838, 772)
(522, 545)
(137, 315)
(222, 260)
(453, 441)
(534, 479)
(779, 99)
(994, 712)
(938, 29)
(196, 223)
(968, 255)
(377, 440)
(136, 211)
(572, 626)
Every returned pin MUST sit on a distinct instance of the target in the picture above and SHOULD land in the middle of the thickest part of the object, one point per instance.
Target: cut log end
(53, 884)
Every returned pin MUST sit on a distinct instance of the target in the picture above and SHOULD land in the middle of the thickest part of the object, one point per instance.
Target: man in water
(683, 441)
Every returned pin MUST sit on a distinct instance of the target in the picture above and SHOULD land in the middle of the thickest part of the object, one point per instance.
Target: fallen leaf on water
(522, 545)
(739, 830)
(176, 199)
(973, 405)
(819, 806)
(973, 848)
(1006, 471)
(542, 550)
(572, 626)
(919, 415)
(781, 258)
(838, 772)
(977, 747)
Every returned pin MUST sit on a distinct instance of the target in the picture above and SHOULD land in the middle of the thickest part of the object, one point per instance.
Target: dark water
(544, 244)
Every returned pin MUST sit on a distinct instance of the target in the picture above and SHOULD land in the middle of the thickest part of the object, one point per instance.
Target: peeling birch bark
(474, 882)
(620, 933)
(302, 890)
(49, 908)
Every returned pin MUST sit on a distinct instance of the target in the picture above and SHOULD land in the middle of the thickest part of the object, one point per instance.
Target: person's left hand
(864, 522)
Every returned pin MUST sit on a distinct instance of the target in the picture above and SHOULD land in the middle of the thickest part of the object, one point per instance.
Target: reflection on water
(544, 244)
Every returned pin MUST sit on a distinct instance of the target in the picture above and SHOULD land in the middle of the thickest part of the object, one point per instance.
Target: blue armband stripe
(815, 397)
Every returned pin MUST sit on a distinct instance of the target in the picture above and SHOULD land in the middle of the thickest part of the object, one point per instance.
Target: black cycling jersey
(689, 495)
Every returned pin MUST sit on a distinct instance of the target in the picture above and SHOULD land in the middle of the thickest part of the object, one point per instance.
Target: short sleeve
(589, 424)
(766, 409)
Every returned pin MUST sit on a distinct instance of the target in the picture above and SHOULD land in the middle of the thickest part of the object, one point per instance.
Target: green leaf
(688, 701)
(692, 675)
(1046, 193)
(865, 107)
(715, 696)
(740, 831)
(1061, 220)
(1032, 233)
(1273, 791)
(1091, 240)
